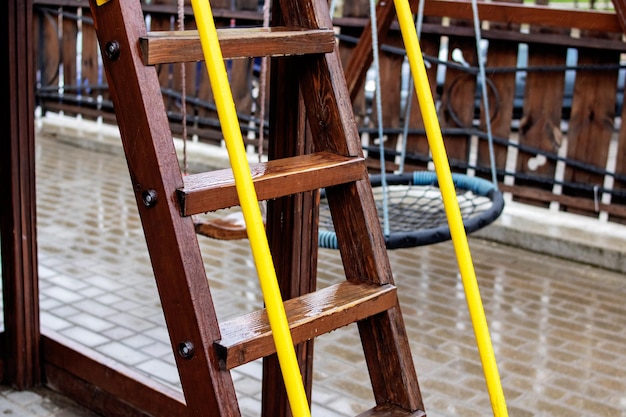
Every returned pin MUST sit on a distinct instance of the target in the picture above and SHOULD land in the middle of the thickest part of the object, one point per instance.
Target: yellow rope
(453, 213)
(250, 208)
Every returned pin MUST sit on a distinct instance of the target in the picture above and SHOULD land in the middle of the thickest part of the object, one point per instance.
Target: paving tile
(84, 336)
(123, 354)
(558, 327)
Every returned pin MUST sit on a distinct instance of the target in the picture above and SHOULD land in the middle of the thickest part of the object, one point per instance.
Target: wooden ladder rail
(201, 350)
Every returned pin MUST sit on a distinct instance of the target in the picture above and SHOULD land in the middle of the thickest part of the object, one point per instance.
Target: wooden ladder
(206, 350)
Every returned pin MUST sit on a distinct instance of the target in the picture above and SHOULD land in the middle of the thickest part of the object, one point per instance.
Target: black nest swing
(415, 210)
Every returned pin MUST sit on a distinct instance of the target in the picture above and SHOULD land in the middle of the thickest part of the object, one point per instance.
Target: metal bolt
(149, 198)
(112, 50)
(186, 349)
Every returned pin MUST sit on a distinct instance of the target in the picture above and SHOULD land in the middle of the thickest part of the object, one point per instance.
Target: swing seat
(230, 227)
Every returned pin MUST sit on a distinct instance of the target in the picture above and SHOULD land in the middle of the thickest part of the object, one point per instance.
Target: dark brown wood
(48, 55)
(591, 122)
(391, 87)
(361, 56)
(459, 90)
(543, 100)
(171, 239)
(620, 11)
(533, 15)
(500, 54)
(102, 384)
(352, 206)
(177, 263)
(534, 196)
(292, 221)
(231, 227)
(501, 97)
(513, 36)
(184, 46)
(18, 209)
(249, 337)
(90, 68)
(416, 143)
(391, 411)
(215, 190)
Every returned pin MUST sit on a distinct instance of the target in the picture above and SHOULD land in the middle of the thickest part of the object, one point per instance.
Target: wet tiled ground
(558, 327)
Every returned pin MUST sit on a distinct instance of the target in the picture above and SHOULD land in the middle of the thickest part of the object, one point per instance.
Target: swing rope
(483, 84)
(250, 206)
(379, 116)
(457, 230)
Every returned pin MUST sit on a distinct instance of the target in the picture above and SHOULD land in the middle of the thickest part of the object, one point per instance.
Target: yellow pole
(250, 208)
(453, 213)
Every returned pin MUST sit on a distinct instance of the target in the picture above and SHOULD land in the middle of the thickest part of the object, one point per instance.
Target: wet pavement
(558, 327)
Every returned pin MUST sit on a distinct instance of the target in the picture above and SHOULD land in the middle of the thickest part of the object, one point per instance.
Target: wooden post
(17, 211)
(291, 222)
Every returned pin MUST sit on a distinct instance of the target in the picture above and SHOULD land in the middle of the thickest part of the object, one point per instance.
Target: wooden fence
(555, 82)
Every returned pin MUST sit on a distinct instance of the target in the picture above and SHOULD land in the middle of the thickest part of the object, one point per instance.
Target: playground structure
(147, 199)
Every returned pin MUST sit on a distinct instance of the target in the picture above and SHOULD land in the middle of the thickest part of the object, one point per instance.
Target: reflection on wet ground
(558, 327)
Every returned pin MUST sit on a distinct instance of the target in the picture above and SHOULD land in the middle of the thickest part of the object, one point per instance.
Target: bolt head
(112, 50)
(186, 349)
(149, 198)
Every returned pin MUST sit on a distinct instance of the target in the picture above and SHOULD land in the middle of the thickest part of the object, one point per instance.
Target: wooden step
(389, 410)
(167, 47)
(214, 190)
(249, 337)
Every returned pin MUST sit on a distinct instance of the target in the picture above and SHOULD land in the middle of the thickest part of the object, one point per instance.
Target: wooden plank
(542, 197)
(592, 119)
(103, 385)
(545, 38)
(457, 100)
(416, 143)
(390, 410)
(522, 14)
(620, 11)
(540, 124)
(48, 52)
(210, 191)
(501, 93)
(184, 46)
(249, 337)
(18, 221)
(362, 57)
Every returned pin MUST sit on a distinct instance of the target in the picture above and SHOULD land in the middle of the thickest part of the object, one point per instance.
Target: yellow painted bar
(250, 208)
(453, 213)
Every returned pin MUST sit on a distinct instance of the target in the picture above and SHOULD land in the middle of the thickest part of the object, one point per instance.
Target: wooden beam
(17, 211)
(521, 14)
(620, 11)
(103, 385)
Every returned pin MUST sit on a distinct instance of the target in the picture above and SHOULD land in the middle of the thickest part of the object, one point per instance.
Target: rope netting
(415, 208)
